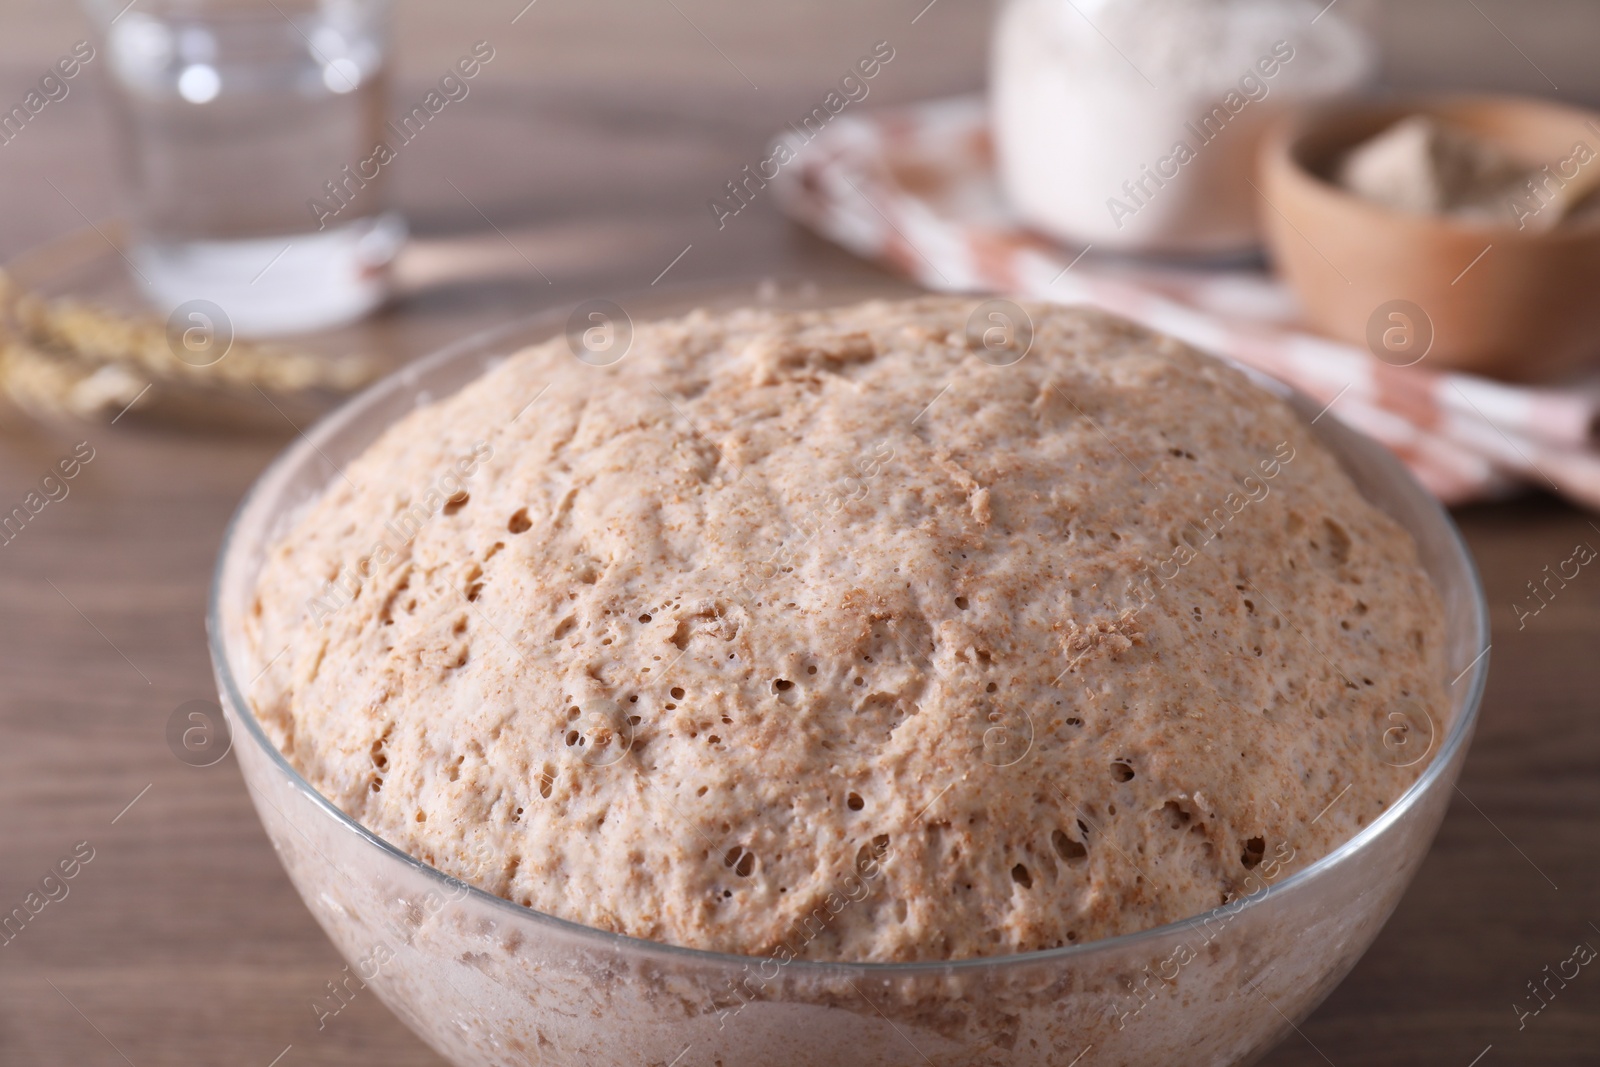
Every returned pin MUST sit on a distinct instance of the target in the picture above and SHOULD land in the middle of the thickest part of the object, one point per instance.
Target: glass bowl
(486, 981)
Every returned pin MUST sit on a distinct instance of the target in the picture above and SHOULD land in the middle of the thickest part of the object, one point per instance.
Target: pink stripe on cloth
(1455, 477)
(914, 188)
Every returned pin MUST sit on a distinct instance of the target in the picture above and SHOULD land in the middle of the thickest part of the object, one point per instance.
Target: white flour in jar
(1133, 124)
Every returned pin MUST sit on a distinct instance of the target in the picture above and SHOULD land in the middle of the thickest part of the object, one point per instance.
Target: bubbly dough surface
(814, 634)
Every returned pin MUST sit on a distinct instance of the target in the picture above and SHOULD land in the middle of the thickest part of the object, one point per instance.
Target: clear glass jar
(1133, 125)
(246, 131)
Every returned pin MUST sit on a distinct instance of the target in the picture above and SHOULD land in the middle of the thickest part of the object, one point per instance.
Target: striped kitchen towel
(914, 188)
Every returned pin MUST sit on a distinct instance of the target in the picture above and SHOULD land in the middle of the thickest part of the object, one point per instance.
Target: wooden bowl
(1517, 304)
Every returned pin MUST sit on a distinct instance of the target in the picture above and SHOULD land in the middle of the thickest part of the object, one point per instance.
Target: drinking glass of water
(242, 127)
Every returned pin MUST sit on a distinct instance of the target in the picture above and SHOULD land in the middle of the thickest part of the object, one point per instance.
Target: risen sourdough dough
(816, 634)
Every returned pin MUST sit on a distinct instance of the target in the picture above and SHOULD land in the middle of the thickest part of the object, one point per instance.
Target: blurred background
(599, 122)
(580, 165)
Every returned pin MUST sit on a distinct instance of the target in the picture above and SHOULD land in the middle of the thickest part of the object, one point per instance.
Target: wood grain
(595, 140)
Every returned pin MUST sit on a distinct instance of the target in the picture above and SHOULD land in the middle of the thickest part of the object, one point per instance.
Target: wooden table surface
(595, 138)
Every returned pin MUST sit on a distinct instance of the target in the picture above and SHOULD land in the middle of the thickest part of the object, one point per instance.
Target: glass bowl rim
(482, 343)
